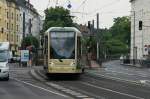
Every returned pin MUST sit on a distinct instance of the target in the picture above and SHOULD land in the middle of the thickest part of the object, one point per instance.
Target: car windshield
(3, 56)
(62, 45)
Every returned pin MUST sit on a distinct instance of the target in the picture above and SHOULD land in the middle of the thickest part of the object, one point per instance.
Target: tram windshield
(62, 45)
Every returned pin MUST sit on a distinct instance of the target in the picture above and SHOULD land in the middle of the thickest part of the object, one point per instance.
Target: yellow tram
(62, 51)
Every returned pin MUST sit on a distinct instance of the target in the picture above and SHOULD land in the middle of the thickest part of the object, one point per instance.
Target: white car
(4, 60)
(4, 70)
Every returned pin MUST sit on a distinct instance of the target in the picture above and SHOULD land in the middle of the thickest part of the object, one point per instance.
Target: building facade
(140, 29)
(18, 19)
(30, 19)
(3, 21)
(13, 24)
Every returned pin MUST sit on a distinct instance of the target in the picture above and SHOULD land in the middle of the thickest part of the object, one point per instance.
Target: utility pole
(97, 32)
(56, 3)
(93, 24)
(134, 48)
(23, 36)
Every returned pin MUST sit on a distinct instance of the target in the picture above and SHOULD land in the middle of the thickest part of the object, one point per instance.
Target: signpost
(24, 56)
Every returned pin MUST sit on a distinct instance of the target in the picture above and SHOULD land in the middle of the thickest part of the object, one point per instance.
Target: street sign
(24, 55)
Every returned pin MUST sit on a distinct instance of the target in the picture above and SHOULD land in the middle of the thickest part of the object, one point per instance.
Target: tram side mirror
(42, 42)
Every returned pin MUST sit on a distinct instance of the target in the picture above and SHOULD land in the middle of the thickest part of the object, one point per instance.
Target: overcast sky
(108, 9)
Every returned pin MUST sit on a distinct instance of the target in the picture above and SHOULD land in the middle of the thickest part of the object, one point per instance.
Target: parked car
(4, 60)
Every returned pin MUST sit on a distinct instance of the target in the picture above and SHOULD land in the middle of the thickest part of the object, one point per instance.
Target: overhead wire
(81, 5)
(49, 1)
(107, 5)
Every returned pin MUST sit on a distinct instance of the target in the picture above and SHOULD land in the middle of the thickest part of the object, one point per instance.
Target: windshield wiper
(60, 60)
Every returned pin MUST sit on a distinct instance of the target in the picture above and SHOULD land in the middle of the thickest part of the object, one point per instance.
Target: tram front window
(62, 45)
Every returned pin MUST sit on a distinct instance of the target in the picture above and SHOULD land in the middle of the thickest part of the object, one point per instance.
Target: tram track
(102, 88)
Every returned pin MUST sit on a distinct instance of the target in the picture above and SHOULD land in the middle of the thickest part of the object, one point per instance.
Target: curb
(131, 65)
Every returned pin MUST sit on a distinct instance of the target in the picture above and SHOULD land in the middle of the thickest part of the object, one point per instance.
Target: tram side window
(79, 47)
(46, 45)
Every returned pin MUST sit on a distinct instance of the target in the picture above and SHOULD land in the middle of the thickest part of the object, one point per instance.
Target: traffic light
(89, 25)
(140, 25)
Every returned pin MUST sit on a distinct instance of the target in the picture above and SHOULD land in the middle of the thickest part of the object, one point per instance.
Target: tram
(62, 51)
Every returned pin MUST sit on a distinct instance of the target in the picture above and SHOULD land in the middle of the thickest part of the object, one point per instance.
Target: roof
(59, 29)
(4, 45)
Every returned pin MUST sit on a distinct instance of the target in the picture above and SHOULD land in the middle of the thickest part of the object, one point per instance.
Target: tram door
(46, 52)
(79, 50)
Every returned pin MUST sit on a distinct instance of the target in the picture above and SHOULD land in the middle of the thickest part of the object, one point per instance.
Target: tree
(57, 17)
(30, 41)
(115, 40)
(121, 29)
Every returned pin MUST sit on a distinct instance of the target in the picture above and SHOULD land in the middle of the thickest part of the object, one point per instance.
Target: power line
(81, 4)
(49, 1)
(107, 5)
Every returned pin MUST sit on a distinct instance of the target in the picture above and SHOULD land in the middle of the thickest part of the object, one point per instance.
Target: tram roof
(52, 29)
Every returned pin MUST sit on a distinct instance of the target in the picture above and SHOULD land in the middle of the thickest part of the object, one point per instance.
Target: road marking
(112, 91)
(109, 70)
(114, 78)
(69, 91)
(41, 88)
(137, 73)
(61, 88)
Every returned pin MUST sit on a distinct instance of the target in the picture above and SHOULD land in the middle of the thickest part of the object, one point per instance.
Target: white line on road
(114, 78)
(41, 88)
(132, 96)
(109, 70)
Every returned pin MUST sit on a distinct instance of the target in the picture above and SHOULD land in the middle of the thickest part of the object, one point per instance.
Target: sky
(85, 10)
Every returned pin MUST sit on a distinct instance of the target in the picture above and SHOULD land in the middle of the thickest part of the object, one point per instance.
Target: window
(62, 45)
(11, 37)
(140, 25)
(17, 17)
(17, 38)
(46, 45)
(0, 22)
(17, 27)
(7, 15)
(7, 37)
(12, 26)
(12, 15)
(0, 9)
(2, 30)
(7, 26)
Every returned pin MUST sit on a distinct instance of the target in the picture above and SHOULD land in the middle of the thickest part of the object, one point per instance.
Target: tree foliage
(30, 40)
(57, 17)
(121, 29)
(116, 40)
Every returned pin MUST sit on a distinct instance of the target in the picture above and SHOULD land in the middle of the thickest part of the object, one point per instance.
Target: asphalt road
(102, 88)
(89, 86)
(131, 73)
(17, 90)
(22, 86)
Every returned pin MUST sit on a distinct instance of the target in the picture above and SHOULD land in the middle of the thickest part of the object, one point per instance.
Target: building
(3, 21)
(13, 24)
(140, 29)
(30, 19)
(18, 19)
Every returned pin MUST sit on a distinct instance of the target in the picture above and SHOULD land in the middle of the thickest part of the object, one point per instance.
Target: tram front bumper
(66, 70)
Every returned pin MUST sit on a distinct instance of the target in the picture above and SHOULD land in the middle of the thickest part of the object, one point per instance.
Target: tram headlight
(51, 63)
(72, 64)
